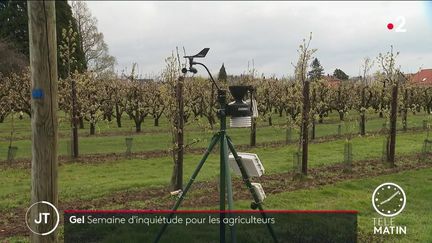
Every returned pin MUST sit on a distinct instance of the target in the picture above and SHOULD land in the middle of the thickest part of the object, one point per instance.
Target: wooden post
(305, 127)
(393, 119)
(253, 120)
(177, 177)
(313, 128)
(405, 109)
(253, 132)
(43, 64)
(363, 112)
(75, 120)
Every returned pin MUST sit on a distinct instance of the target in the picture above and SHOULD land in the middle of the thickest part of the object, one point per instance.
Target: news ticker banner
(204, 225)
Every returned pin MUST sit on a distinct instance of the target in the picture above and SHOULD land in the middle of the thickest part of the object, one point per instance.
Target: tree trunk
(118, 116)
(138, 126)
(404, 119)
(270, 121)
(362, 123)
(321, 118)
(81, 122)
(211, 121)
(313, 129)
(92, 128)
(341, 116)
(253, 133)
(156, 121)
(393, 119)
(305, 127)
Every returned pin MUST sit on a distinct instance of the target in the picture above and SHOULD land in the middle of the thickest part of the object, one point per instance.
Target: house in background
(421, 78)
(332, 81)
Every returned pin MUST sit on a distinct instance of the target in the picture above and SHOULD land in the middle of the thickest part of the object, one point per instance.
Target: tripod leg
(228, 182)
(250, 187)
(222, 190)
(213, 142)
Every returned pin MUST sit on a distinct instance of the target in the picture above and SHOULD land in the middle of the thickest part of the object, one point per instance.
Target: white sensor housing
(259, 191)
(245, 121)
(251, 163)
(254, 107)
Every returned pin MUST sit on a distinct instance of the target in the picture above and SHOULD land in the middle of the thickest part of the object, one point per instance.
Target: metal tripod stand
(226, 145)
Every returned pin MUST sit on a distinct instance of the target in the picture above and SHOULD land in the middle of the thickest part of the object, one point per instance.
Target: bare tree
(392, 76)
(172, 91)
(67, 50)
(137, 104)
(366, 67)
(305, 55)
(93, 44)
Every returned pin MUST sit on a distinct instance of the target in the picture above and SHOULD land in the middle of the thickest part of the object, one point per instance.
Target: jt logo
(45, 218)
(33, 220)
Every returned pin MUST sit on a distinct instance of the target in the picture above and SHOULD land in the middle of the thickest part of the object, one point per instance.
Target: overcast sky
(267, 32)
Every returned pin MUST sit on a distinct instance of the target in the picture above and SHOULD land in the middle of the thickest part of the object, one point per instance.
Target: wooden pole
(305, 127)
(393, 119)
(177, 177)
(43, 64)
(253, 132)
(405, 108)
(75, 120)
(363, 112)
(254, 121)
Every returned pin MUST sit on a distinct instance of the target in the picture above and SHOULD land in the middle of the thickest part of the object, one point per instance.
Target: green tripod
(226, 145)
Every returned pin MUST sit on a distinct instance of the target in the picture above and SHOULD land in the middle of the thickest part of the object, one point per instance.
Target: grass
(162, 140)
(91, 181)
(356, 195)
(97, 180)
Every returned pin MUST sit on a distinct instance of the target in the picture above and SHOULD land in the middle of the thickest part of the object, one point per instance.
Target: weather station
(245, 164)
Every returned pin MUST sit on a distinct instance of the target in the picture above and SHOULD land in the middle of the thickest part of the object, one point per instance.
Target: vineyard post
(75, 119)
(43, 63)
(253, 123)
(253, 132)
(178, 182)
(363, 112)
(393, 119)
(305, 127)
(405, 108)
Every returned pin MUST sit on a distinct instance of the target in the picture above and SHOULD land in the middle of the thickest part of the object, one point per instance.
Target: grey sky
(267, 32)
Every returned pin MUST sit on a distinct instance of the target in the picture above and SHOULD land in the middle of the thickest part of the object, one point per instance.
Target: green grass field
(89, 181)
(356, 194)
(159, 138)
(101, 179)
